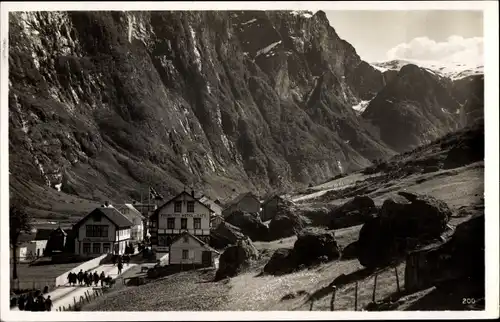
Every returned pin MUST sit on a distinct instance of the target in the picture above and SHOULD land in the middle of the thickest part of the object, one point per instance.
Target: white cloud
(455, 49)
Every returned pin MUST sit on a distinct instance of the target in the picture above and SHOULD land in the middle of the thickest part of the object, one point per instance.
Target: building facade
(245, 202)
(183, 213)
(137, 219)
(187, 249)
(104, 230)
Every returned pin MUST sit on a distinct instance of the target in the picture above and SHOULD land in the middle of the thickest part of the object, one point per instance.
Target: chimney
(192, 193)
(106, 204)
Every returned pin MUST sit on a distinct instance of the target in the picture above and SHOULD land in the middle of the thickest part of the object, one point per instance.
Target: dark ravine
(102, 104)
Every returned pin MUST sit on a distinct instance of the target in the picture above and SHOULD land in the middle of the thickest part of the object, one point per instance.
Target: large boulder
(250, 224)
(236, 258)
(283, 261)
(403, 223)
(459, 258)
(350, 251)
(354, 212)
(314, 244)
(224, 235)
(286, 223)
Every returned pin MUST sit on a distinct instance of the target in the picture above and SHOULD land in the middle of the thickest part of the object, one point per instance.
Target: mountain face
(413, 109)
(104, 104)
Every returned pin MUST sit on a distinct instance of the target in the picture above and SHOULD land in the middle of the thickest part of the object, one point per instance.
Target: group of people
(34, 301)
(88, 278)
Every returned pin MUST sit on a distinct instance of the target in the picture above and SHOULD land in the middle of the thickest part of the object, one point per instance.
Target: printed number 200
(467, 300)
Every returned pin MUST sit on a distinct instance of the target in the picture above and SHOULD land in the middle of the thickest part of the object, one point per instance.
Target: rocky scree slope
(101, 103)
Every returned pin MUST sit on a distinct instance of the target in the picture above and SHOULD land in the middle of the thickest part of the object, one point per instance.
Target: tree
(19, 222)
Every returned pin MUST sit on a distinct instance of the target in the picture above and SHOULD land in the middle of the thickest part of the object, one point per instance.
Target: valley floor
(194, 290)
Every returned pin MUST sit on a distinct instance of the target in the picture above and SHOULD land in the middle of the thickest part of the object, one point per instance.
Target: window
(170, 223)
(178, 206)
(96, 248)
(162, 240)
(106, 247)
(96, 230)
(186, 239)
(190, 206)
(185, 254)
(197, 223)
(184, 223)
(86, 248)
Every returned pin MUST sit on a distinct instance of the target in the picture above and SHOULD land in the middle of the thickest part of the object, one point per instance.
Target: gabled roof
(59, 229)
(157, 211)
(201, 242)
(112, 214)
(129, 211)
(43, 234)
(212, 204)
(240, 197)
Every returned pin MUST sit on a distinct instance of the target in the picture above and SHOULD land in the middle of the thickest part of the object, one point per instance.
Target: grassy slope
(461, 188)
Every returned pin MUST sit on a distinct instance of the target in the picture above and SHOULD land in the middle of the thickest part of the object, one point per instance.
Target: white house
(182, 213)
(187, 249)
(137, 219)
(104, 230)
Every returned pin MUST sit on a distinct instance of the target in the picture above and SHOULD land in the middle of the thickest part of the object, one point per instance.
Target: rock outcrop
(313, 246)
(250, 224)
(236, 258)
(224, 235)
(286, 223)
(404, 223)
(354, 212)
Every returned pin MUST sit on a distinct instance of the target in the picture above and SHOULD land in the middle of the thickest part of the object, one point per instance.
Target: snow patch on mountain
(361, 106)
(452, 70)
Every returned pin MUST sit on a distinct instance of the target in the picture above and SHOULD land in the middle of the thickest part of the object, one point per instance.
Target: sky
(420, 35)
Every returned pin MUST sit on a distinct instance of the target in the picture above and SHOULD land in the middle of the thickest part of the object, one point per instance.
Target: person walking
(80, 277)
(102, 277)
(48, 304)
(120, 266)
(96, 278)
(20, 302)
(29, 302)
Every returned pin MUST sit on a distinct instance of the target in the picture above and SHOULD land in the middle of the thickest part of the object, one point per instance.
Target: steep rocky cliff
(414, 108)
(103, 104)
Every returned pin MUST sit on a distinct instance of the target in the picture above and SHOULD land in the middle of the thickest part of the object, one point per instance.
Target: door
(206, 258)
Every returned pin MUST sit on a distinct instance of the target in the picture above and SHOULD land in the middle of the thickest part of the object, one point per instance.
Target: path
(63, 296)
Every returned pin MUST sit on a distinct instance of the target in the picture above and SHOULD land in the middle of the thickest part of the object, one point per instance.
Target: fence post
(397, 278)
(311, 308)
(74, 300)
(374, 288)
(356, 296)
(332, 301)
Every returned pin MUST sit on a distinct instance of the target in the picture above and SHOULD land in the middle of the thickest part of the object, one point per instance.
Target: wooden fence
(88, 297)
(355, 294)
